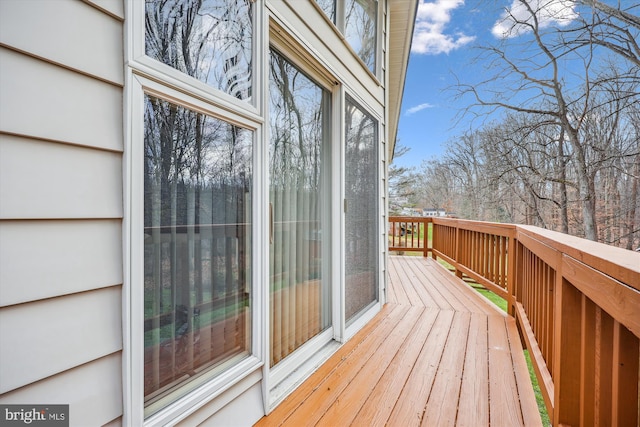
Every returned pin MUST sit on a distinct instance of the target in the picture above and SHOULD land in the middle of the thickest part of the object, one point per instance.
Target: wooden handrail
(577, 304)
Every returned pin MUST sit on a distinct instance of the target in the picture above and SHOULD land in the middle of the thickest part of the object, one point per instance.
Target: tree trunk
(564, 215)
(586, 185)
(631, 223)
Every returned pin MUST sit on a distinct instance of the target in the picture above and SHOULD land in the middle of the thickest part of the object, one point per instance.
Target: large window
(197, 241)
(361, 191)
(197, 171)
(210, 40)
(299, 182)
(357, 20)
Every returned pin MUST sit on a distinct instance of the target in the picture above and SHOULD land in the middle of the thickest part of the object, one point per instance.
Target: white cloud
(431, 21)
(420, 107)
(513, 21)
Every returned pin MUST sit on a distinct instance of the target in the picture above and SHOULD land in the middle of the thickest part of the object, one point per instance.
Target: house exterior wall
(61, 141)
(65, 307)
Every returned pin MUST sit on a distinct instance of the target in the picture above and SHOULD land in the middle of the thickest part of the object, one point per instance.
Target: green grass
(497, 300)
(536, 389)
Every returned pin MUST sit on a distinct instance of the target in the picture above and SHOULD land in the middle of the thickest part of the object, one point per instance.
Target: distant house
(411, 212)
(434, 212)
(193, 201)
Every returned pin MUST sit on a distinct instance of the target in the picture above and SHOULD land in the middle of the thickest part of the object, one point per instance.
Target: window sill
(205, 394)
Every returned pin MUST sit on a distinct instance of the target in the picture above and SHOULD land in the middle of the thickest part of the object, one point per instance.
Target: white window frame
(145, 65)
(144, 75)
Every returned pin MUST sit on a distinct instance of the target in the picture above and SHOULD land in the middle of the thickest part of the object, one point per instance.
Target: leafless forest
(559, 144)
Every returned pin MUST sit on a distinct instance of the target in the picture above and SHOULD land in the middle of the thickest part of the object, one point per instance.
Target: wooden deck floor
(437, 354)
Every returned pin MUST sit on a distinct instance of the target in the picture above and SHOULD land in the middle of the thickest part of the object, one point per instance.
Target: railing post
(512, 247)
(433, 238)
(458, 251)
(425, 226)
(567, 313)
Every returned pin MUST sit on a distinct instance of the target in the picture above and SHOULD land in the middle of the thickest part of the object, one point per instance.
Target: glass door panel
(197, 249)
(300, 297)
(361, 190)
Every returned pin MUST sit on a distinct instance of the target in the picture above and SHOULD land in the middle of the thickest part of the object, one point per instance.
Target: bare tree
(615, 28)
(402, 183)
(538, 84)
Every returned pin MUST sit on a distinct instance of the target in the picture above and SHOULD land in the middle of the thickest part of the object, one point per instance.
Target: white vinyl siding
(61, 181)
(114, 8)
(51, 28)
(61, 141)
(34, 253)
(49, 336)
(92, 390)
(50, 102)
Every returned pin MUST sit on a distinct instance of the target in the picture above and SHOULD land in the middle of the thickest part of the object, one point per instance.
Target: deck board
(437, 354)
(474, 392)
(383, 397)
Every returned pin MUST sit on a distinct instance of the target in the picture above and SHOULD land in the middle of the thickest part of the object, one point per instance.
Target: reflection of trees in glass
(210, 40)
(360, 19)
(298, 112)
(197, 204)
(296, 109)
(360, 29)
(329, 8)
(361, 191)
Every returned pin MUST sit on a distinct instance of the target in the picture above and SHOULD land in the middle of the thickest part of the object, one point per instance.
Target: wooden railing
(409, 234)
(577, 304)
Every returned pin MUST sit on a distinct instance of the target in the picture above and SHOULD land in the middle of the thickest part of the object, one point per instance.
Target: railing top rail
(620, 264)
(424, 219)
(496, 228)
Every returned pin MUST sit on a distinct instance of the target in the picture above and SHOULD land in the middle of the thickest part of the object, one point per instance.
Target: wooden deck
(437, 354)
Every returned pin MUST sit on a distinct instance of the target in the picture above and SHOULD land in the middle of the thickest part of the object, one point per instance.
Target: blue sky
(445, 35)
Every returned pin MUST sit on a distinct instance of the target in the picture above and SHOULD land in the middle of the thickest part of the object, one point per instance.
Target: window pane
(361, 163)
(329, 8)
(299, 174)
(197, 240)
(210, 40)
(360, 29)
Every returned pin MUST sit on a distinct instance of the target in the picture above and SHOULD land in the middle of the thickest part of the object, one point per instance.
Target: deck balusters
(576, 303)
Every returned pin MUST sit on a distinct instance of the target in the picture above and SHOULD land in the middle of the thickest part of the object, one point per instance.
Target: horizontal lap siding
(46, 101)
(66, 32)
(34, 253)
(61, 141)
(84, 387)
(46, 180)
(45, 337)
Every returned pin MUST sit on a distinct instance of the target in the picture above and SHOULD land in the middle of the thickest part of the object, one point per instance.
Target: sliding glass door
(299, 173)
(361, 222)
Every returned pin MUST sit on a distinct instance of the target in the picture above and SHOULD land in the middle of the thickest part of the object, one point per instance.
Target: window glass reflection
(329, 8)
(299, 175)
(360, 29)
(197, 241)
(361, 191)
(210, 40)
